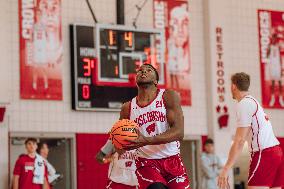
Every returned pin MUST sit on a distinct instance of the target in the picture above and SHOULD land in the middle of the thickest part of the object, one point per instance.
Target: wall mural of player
(41, 49)
(275, 69)
(271, 48)
(178, 44)
(173, 17)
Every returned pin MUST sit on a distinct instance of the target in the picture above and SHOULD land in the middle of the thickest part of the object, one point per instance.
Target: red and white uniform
(152, 121)
(267, 156)
(121, 172)
(157, 163)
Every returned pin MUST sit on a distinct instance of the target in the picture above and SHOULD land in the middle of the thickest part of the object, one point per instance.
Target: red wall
(90, 174)
(281, 140)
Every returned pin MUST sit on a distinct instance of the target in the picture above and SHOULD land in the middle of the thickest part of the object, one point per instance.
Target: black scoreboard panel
(102, 60)
(86, 95)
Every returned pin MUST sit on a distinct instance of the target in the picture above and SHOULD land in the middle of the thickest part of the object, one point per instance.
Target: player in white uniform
(159, 116)
(275, 69)
(267, 161)
(121, 172)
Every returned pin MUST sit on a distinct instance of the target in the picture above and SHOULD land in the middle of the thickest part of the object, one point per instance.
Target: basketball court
(68, 66)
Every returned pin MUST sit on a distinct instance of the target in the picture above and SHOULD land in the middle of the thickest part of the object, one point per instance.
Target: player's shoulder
(125, 109)
(248, 100)
(248, 103)
(169, 94)
(171, 97)
(22, 157)
(126, 105)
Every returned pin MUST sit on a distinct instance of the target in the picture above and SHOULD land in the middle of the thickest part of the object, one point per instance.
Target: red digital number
(86, 92)
(128, 38)
(112, 38)
(88, 65)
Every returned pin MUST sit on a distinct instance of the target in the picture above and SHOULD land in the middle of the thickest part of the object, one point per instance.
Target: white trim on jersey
(267, 138)
(148, 180)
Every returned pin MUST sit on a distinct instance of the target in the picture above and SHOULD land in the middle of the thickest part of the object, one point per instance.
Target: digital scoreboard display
(104, 60)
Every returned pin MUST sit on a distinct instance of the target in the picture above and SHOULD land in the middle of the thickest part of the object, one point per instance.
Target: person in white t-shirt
(267, 160)
(121, 172)
(210, 166)
(53, 176)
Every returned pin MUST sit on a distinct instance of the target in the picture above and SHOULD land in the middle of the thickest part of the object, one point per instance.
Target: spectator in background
(43, 150)
(30, 171)
(210, 165)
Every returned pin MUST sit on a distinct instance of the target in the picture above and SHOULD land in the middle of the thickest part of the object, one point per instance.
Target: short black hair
(34, 140)
(156, 72)
(40, 146)
(209, 141)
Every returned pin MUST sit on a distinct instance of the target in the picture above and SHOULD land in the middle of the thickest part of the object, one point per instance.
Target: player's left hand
(223, 179)
(140, 141)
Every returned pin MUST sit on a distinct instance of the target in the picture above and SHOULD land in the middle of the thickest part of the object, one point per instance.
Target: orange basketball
(122, 130)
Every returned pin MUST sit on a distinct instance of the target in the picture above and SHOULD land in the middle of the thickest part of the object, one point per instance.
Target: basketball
(122, 130)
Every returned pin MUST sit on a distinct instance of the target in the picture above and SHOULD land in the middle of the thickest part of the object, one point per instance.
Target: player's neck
(241, 95)
(147, 94)
(32, 155)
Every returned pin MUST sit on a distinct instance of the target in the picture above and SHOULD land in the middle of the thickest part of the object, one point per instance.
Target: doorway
(61, 155)
(190, 151)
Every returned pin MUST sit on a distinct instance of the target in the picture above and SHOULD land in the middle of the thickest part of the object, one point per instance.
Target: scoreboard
(104, 60)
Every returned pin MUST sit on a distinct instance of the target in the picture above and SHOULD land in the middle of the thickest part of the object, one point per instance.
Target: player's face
(146, 76)
(50, 13)
(179, 28)
(209, 148)
(233, 90)
(31, 147)
(44, 151)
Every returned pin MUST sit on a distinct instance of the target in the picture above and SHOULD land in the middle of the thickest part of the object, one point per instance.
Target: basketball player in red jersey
(160, 119)
(267, 160)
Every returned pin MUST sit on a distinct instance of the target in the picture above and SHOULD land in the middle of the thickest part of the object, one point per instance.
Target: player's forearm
(234, 153)
(15, 182)
(172, 134)
(100, 157)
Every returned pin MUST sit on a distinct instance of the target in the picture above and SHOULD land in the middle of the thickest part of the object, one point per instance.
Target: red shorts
(270, 171)
(169, 171)
(115, 185)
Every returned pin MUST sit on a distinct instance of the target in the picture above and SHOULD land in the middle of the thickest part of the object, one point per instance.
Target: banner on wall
(271, 51)
(173, 17)
(40, 49)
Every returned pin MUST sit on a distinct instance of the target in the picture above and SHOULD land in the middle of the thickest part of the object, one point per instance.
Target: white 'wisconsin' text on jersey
(152, 121)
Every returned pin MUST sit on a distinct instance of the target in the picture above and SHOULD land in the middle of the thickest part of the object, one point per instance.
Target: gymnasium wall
(244, 50)
(57, 116)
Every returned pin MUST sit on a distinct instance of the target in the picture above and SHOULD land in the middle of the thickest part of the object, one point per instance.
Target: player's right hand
(223, 179)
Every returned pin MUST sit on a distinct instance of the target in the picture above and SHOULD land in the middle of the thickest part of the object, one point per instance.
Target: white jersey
(251, 114)
(152, 121)
(122, 167)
